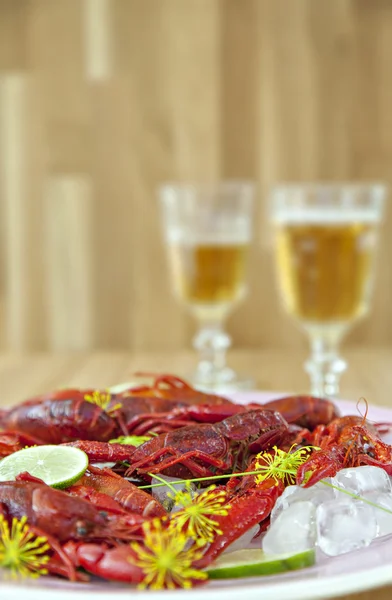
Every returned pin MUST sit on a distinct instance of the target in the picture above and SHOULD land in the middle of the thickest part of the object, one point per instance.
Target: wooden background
(102, 100)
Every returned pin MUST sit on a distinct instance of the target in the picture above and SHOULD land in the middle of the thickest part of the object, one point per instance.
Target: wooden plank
(56, 54)
(240, 82)
(13, 35)
(113, 220)
(192, 39)
(98, 42)
(240, 105)
(21, 210)
(14, 191)
(69, 263)
(373, 147)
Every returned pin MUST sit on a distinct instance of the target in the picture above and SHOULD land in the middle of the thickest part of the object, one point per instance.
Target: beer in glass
(325, 249)
(208, 232)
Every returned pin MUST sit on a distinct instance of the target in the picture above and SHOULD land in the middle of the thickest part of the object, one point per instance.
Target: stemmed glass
(208, 233)
(325, 247)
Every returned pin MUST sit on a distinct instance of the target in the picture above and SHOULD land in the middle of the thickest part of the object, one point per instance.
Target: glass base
(325, 366)
(224, 381)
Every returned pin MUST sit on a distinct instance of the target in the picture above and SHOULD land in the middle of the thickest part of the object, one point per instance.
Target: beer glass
(325, 249)
(208, 233)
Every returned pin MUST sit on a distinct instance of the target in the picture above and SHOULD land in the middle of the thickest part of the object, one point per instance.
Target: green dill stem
(260, 472)
(355, 496)
(164, 482)
(211, 477)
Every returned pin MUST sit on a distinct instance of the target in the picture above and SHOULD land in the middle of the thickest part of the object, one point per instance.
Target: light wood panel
(125, 94)
(69, 299)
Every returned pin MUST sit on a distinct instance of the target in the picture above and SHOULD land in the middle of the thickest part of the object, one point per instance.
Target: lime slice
(58, 466)
(254, 562)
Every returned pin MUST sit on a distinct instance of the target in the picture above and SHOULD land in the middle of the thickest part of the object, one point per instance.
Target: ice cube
(361, 480)
(383, 518)
(316, 494)
(243, 541)
(164, 493)
(343, 526)
(293, 530)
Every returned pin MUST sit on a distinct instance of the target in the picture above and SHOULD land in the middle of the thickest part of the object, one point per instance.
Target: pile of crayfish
(106, 525)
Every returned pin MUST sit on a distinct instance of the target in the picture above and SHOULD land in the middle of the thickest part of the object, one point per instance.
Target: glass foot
(325, 366)
(223, 380)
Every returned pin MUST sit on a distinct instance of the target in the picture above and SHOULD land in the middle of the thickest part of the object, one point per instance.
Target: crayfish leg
(114, 564)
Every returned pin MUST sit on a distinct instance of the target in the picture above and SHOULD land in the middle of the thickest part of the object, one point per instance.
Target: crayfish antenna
(364, 417)
(172, 381)
(381, 427)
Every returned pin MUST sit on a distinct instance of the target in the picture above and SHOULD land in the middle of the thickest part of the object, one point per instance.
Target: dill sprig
(281, 465)
(166, 558)
(21, 551)
(194, 516)
(103, 399)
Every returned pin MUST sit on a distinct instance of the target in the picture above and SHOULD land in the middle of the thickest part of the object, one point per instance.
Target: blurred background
(103, 100)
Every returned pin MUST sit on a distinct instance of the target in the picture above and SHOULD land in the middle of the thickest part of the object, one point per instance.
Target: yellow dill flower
(102, 399)
(194, 518)
(164, 560)
(22, 552)
(281, 465)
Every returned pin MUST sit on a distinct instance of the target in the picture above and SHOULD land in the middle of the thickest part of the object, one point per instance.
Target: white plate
(357, 571)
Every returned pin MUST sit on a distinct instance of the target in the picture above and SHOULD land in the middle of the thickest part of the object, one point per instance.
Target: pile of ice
(332, 520)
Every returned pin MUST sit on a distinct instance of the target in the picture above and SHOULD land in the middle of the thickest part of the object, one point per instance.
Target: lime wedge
(58, 466)
(254, 562)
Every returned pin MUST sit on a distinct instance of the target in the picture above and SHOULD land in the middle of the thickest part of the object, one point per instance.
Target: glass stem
(212, 343)
(325, 366)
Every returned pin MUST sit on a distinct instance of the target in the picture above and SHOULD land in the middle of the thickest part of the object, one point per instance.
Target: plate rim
(338, 585)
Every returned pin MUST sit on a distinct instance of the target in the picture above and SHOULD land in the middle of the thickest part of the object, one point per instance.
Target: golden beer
(325, 268)
(208, 274)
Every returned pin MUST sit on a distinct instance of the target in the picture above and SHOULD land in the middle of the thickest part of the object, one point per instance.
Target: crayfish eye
(81, 529)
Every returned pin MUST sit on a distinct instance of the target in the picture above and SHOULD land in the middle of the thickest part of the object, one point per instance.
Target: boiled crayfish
(105, 523)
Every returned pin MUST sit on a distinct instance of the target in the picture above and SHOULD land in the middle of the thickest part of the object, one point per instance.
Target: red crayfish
(123, 492)
(305, 411)
(139, 418)
(207, 449)
(60, 420)
(59, 517)
(349, 441)
(65, 415)
(176, 389)
(12, 441)
(247, 509)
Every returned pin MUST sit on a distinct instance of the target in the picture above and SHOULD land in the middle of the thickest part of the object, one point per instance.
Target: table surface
(369, 376)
